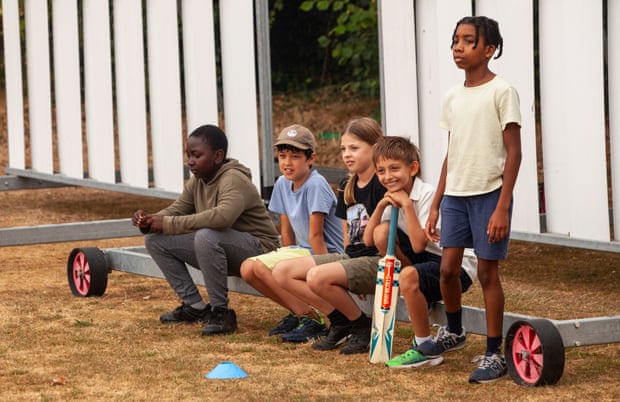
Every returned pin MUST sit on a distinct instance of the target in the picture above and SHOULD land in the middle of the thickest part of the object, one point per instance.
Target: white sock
(421, 340)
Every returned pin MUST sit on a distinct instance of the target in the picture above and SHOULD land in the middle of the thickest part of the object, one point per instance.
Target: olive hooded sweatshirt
(228, 201)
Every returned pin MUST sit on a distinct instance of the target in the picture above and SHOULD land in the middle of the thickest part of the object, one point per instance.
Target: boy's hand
(384, 202)
(430, 229)
(139, 219)
(399, 198)
(497, 228)
(156, 222)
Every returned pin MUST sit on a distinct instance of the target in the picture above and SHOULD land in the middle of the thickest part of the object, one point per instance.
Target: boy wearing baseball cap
(306, 205)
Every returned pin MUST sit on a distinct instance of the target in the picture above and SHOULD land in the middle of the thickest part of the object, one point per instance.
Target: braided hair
(489, 28)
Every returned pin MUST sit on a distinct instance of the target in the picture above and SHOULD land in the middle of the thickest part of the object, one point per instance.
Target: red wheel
(534, 352)
(87, 272)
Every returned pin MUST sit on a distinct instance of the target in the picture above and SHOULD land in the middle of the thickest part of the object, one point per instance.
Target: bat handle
(392, 231)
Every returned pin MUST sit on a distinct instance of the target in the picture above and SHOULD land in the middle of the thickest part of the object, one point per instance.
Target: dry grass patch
(114, 348)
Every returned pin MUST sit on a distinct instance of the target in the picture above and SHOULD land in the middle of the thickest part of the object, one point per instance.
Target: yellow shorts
(271, 258)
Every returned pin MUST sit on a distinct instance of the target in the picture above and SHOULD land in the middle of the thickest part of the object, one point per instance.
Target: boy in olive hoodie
(217, 222)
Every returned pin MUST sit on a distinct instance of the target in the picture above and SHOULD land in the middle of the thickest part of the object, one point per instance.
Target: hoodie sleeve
(184, 204)
(217, 210)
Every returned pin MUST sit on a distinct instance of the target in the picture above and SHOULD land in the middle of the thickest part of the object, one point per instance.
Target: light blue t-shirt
(315, 195)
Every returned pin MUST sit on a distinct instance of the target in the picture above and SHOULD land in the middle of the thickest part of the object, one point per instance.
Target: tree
(352, 41)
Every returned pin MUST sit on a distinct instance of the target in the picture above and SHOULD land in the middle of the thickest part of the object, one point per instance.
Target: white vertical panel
(98, 91)
(613, 68)
(572, 111)
(164, 94)
(39, 93)
(399, 84)
(130, 92)
(13, 83)
(515, 18)
(67, 87)
(199, 63)
(437, 73)
(239, 82)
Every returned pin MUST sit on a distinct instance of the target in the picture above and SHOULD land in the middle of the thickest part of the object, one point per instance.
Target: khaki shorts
(361, 272)
(271, 258)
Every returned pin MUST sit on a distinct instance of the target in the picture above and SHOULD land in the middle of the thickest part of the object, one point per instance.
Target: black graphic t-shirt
(358, 214)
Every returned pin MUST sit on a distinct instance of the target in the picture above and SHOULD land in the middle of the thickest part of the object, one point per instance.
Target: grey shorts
(361, 272)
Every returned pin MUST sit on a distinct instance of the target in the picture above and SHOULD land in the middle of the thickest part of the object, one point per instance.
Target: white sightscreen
(516, 24)
(572, 114)
(436, 74)
(98, 105)
(239, 82)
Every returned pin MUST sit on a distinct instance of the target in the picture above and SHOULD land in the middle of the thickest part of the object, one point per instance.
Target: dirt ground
(55, 346)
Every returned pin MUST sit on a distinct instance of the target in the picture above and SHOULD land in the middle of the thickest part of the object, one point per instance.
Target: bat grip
(391, 246)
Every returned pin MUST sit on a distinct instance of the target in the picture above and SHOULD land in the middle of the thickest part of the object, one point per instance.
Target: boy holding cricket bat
(398, 168)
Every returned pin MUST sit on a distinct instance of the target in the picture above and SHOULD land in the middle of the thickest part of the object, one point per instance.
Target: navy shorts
(464, 222)
(429, 274)
(428, 266)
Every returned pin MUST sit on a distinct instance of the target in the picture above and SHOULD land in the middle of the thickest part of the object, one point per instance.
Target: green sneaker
(413, 358)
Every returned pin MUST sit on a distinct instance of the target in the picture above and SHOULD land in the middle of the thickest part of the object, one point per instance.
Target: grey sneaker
(444, 341)
(336, 336)
(186, 313)
(491, 368)
(222, 321)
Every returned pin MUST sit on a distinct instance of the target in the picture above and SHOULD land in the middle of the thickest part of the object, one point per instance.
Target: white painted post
(130, 92)
(199, 63)
(164, 94)
(613, 69)
(572, 111)
(239, 82)
(39, 91)
(398, 73)
(13, 83)
(515, 19)
(67, 82)
(435, 22)
(98, 104)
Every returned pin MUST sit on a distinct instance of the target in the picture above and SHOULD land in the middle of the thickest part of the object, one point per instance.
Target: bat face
(384, 315)
(386, 297)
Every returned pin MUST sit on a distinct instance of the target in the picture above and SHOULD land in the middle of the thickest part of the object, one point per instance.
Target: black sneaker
(287, 324)
(222, 321)
(186, 313)
(359, 342)
(336, 336)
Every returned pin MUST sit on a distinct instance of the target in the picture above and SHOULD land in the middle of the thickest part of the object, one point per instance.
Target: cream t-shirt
(476, 117)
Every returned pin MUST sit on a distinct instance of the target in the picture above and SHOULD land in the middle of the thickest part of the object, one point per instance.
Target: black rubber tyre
(87, 272)
(534, 352)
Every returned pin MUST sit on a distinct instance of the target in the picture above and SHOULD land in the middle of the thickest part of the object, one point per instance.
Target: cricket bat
(386, 298)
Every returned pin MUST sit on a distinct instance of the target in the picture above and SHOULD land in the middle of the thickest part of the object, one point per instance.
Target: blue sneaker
(307, 329)
(491, 368)
(287, 324)
(413, 358)
(444, 341)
